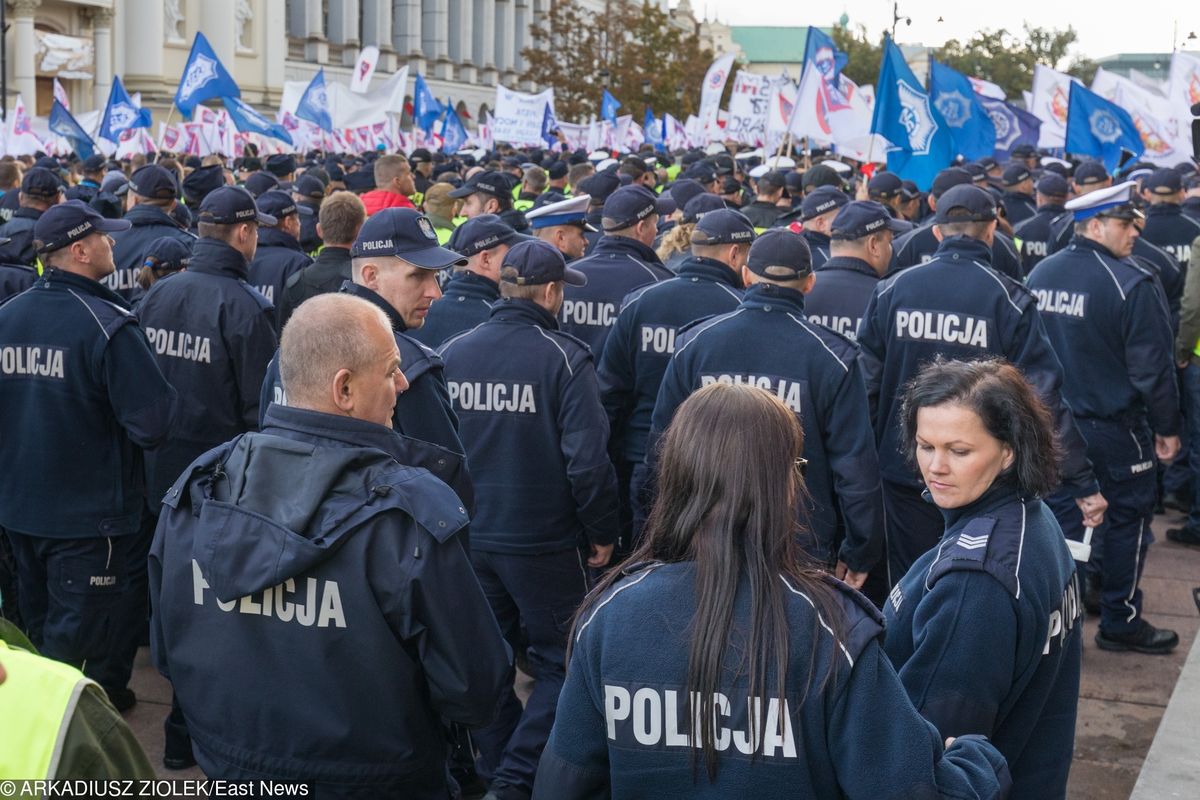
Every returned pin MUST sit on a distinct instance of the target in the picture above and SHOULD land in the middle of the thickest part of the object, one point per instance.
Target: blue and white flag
(654, 129)
(314, 103)
(904, 116)
(454, 135)
(1013, 126)
(64, 125)
(426, 108)
(1096, 127)
(246, 119)
(608, 107)
(121, 114)
(820, 52)
(954, 97)
(549, 127)
(204, 77)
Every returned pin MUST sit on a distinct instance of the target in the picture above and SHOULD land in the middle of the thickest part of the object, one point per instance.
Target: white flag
(1153, 85)
(987, 88)
(20, 140)
(1164, 132)
(368, 57)
(747, 121)
(60, 94)
(844, 122)
(1051, 91)
(710, 94)
(779, 113)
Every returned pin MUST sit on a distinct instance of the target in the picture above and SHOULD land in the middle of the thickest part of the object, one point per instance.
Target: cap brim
(461, 192)
(265, 219)
(433, 258)
(896, 226)
(106, 225)
(573, 277)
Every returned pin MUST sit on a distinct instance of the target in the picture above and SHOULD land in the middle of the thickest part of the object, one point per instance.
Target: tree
(1008, 61)
(864, 55)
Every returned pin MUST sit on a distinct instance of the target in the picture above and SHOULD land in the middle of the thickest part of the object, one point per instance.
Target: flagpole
(167, 124)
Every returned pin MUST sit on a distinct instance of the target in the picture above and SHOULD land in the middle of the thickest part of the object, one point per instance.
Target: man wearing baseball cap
(82, 395)
(152, 195)
(1032, 237)
(958, 307)
(491, 193)
(816, 373)
(563, 224)
(817, 212)
(1166, 224)
(279, 255)
(888, 189)
(766, 209)
(1017, 182)
(536, 438)
(309, 192)
(40, 189)
(643, 337)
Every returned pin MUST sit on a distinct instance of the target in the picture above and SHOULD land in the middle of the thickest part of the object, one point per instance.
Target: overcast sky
(1101, 31)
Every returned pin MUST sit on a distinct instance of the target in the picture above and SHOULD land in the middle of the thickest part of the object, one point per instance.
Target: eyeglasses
(802, 466)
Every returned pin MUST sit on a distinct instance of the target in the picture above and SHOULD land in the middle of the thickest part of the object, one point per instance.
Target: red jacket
(379, 199)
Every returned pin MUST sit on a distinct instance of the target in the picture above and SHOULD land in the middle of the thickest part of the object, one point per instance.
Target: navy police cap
(281, 164)
(821, 200)
(497, 184)
(1052, 184)
(42, 183)
(1090, 172)
(1163, 181)
(599, 186)
(201, 181)
(628, 206)
(702, 204)
(683, 190)
(483, 233)
(154, 182)
(780, 255)
(1014, 174)
(167, 252)
(862, 218)
(948, 179)
(885, 184)
(231, 205)
(723, 226)
(535, 262)
(406, 234)
(277, 203)
(260, 183)
(309, 186)
(69, 222)
(965, 203)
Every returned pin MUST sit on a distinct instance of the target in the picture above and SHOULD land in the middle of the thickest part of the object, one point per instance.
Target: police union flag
(971, 129)
(904, 115)
(204, 77)
(1096, 127)
(121, 114)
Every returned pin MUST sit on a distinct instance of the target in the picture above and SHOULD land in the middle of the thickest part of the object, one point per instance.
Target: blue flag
(653, 129)
(64, 125)
(1096, 127)
(549, 127)
(1013, 126)
(314, 103)
(204, 77)
(454, 135)
(121, 114)
(426, 108)
(245, 118)
(608, 107)
(971, 129)
(904, 116)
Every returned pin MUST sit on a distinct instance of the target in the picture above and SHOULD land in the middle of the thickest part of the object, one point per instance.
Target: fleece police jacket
(986, 633)
(642, 341)
(844, 728)
(316, 612)
(81, 394)
(535, 434)
(920, 245)
(841, 293)
(278, 257)
(959, 307)
(150, 223)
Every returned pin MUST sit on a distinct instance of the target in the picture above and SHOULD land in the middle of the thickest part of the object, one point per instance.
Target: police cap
(66, 223)
(567, 211)
(947, 179)
(202, 180)
(773, 180)
(536, 262)
(94, 163)
(276, 203)
(115, 183)
(965, 203)
(281, 164)
(361, 181)
(261, 182)
(309, 186)
(41, 183)
(862, 218)
(556, 170)
(167, 252)
(628, 206)
(154, 182)
(821, 175)
(1023, 151)
(683, 190)
(1115, 202)
(1090, 172)
(780, 255)
(496, 184)
(482, 233)
(420, 156)
(885, 185)
(1053, 185)
(1163, 181)
(821, 200)
(701, 172)
(1014, 174)
(599, 186)
(231, 205)
(406, 234)
(700, 205)
(723, 226)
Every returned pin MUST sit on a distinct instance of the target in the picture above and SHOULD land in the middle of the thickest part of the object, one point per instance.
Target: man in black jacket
(341, 217)
(152, 194)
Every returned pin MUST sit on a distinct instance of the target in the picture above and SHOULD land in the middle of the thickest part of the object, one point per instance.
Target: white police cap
(1111, 201)
(781, 162)
(572, 211)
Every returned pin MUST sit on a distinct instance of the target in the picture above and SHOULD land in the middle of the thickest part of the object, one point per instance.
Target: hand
(1183, 362)
(601, 555)
(860, 190)
(949, 741)
(1093, 507)
(854, 580)
(1166, 447)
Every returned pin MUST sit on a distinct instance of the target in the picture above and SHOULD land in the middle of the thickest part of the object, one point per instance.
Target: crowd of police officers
(547, 314)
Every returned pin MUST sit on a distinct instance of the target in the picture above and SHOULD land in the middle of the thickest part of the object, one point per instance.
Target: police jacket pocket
(1132, 455)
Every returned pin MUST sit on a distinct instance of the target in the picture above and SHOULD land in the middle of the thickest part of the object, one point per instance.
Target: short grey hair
(326, 333)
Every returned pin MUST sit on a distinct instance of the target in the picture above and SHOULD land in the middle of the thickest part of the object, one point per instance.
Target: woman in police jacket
(985, 629)
(711, 664)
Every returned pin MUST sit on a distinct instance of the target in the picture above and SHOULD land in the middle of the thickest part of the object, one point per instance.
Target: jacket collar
(470, 284)
(527, 311)
(1002, 491)
(272, 237)
(146, 214)
(1084, 243)
(626, 246)
(27, 213)
(1164, 210)
(344, 430)
(710, 269)
(1052, 209)
(771, 297)
(816, 236)
(55, 278)
(214, 257)
(350, 287)
(964, 247)
(848, 264)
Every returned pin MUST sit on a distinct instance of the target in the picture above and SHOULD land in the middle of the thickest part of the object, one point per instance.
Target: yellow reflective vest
(37, 702)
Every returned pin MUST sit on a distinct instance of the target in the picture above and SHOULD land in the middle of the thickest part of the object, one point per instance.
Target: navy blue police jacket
(639, 348)
(1172, 230)
(86, 190)
(278, 257)
(535, 434)
(919, 245)
(15, 278)
(310, 563)
(19, 230)
(326, 273)
(840, 294)
(1191, 207)
(10, 201)
(986, 633)
(768, 343)
(214, 335)
(1018, 207)
(1032, 236)
(624, 727)
(149, 223)
(957, 306)
(818, 244)
(81, 394)
(1105, 318)
(616, 266)
(466, 302)
(310, 241)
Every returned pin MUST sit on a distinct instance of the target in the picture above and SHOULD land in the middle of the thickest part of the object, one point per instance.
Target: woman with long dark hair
(985, 629)
(712, 663)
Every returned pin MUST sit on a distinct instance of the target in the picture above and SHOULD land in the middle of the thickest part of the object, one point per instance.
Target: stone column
(435, 33)
(484, 45)
(24, 67)
(462, 44)
(505, 15)
(141, 23)
(523, 18)
(218, 22)
(377, 30)
(343, 28)
(102, 20)
(316, 46)
(406, 34)
(274, 49)
(118, 10)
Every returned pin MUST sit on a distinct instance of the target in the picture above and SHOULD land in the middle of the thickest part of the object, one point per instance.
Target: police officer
(887, 189)
(1032, 236)
(151, 197)
(563, 224)
(957, 306)
(768, 343)
(1191, 199)
(341, 217)
(88, 187)
(621, 261)
(1017, 198)
(261, 182)
(817, 212)
(1106, 321)
(40, 189)
(15, 278)
(213, 334)
(165, 257)
(533, 183)
(422, 167)
(765, 209)
(297, 562)
(919, 245)
(1166, 224)
(82, 394)
(469, 294)
(491, 193)
(536, 440)
(861, 251)
(279, 255)
(639, 347)
(309, 192)
(1088, 176)
(598, 187)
